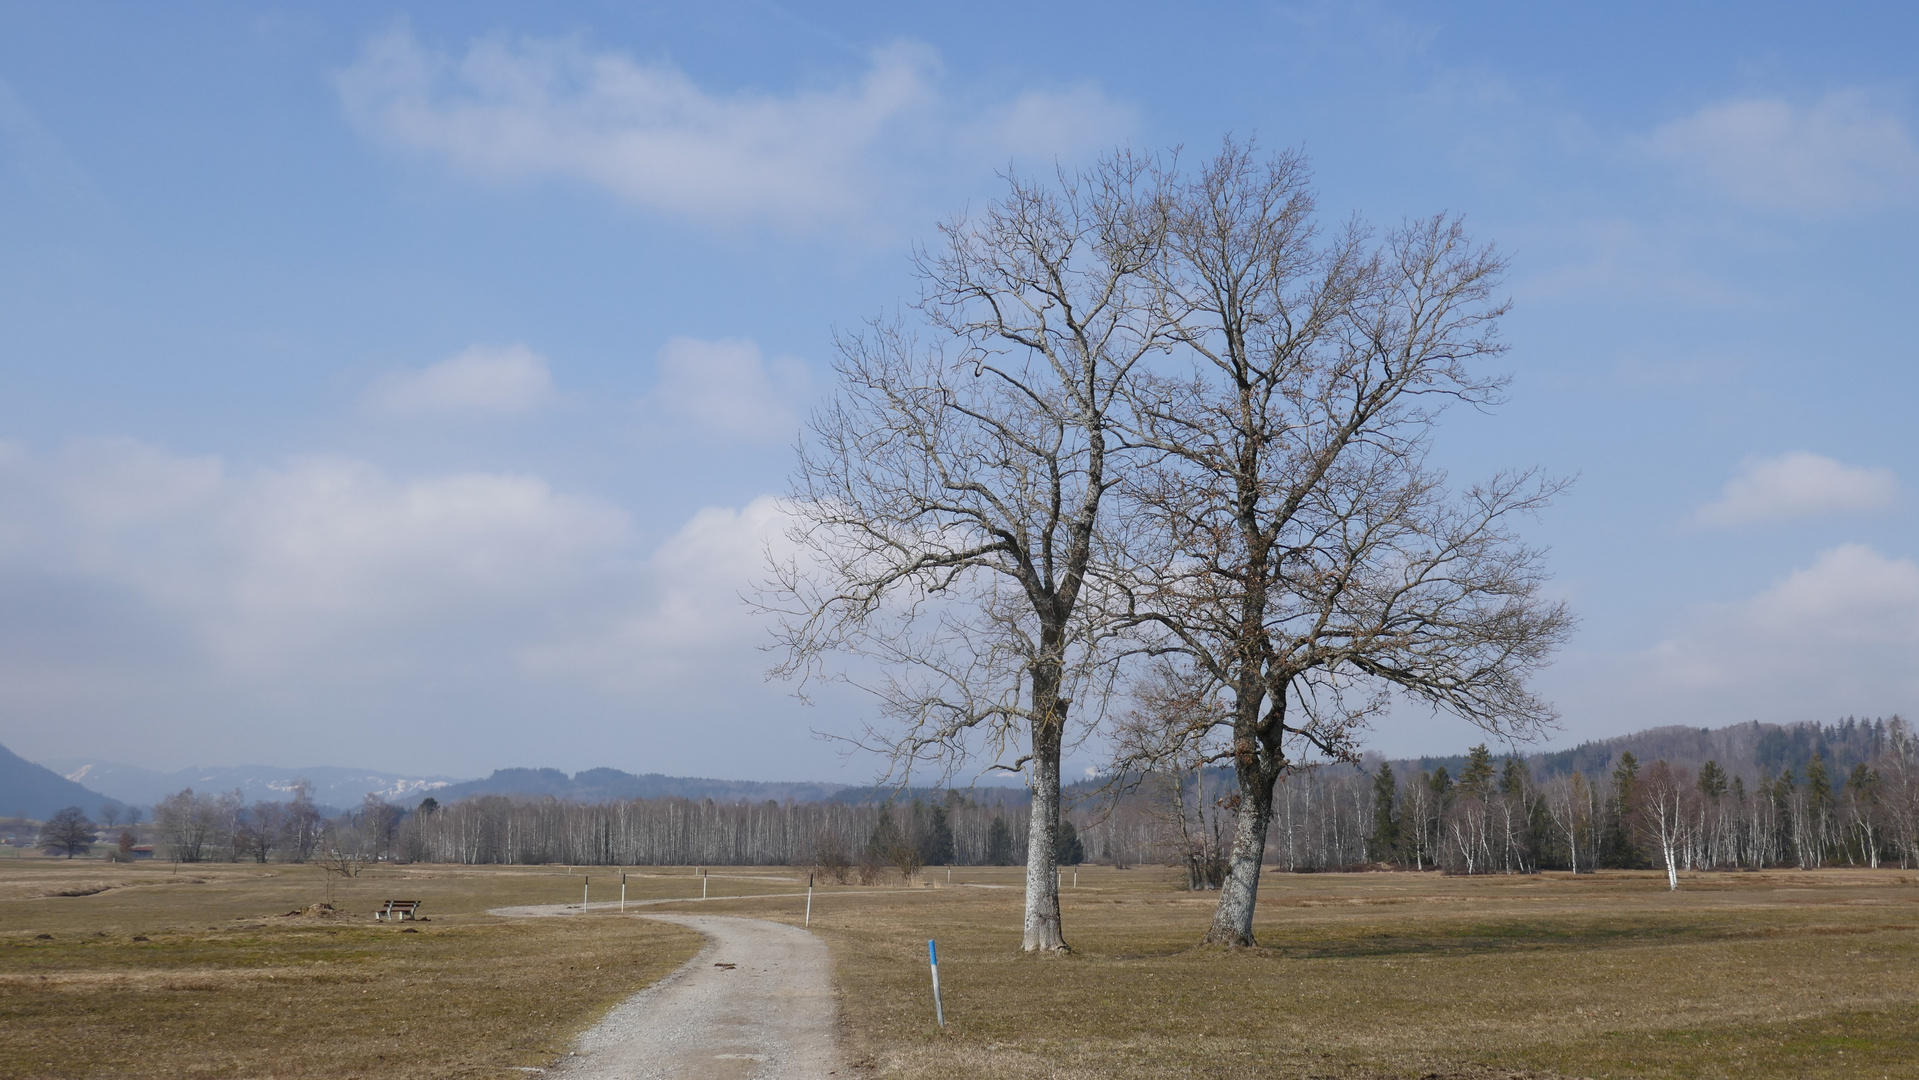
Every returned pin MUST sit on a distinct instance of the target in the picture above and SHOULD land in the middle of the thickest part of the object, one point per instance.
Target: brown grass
(224, 984)
(1737, 975)
(1406, 975)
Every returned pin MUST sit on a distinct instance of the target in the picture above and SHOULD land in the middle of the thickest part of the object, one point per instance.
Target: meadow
(199, 972)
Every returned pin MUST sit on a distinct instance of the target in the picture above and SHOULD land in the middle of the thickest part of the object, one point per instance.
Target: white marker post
(933, 959)
(622, 892)
(702, 882)
(809, 900)
(586, 889)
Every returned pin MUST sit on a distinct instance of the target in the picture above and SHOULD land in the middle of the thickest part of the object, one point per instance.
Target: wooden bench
(398, 910)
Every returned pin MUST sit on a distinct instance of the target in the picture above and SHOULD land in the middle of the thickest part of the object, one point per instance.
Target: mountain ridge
(31, 790)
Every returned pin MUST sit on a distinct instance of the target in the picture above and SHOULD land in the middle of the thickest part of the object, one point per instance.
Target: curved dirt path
(756, 1002)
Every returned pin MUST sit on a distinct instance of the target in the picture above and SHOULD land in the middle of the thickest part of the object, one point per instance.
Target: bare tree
(948, 505)
(1665, 791)
(187, 823)
(263, 827)
(303, 823)
(1308, 561)
(1153, 747)
(340, 853)
(1899, 790)
(1569, 801)
(68, 832)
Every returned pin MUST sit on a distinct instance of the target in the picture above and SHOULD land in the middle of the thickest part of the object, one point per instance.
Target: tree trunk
(1233, 918)
(1043, 931)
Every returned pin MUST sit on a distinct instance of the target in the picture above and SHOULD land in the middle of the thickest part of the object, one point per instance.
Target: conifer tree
(1618, 850)
(1071, 851)
(1477, 777)
(1818, 808)
(999, 843)
(1384, 844)
(935, 835)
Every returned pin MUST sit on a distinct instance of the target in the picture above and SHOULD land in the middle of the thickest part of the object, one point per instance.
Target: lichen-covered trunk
(1233, 918)
(1043, 931)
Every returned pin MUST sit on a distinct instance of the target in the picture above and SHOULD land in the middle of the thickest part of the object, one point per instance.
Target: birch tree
(1666, 811)
(951, 501)
(1309, 561)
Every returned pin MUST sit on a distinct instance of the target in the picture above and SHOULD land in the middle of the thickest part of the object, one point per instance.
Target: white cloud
(695, 611)
(1830, 639)
(326, 608)
(481, 381)
(1841, 153)
(1842, 630)
(1797, 485)
(651, 136)
(729, 388)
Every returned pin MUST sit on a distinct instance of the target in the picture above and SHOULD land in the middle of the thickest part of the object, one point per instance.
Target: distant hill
(984, 794)
(601, 785)
(1749, 750)
(333, 785)
(35, 791)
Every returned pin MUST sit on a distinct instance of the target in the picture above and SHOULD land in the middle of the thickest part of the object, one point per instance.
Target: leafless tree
(949, 501)
(1307, 560)
(68, 832)
(1667, 812)
(303, 823)
(263, 828)
(1153, 747)
(187, 823)
(341, 853)
(1569, 800)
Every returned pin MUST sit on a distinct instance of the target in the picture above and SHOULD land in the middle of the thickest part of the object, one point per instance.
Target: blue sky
(406, 386)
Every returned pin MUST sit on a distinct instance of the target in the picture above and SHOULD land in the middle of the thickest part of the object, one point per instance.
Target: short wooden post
(933, 960)
(809, 900)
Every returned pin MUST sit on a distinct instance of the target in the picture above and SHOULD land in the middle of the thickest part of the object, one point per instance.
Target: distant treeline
(680, 832)
(1749, 749)
(1480, 815)
(1487, 815)
(670, 831)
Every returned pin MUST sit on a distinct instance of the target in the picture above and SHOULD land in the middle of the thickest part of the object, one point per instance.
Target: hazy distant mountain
(34, 791)
(332, 785)
(599, 785)
(985, 794)
(1750, 750)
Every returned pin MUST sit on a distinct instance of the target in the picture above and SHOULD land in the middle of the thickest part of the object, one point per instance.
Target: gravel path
(756, 1002)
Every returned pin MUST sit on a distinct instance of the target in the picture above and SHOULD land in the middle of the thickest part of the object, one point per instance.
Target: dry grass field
(200, 973)
(1368, 975)
(1403, 975)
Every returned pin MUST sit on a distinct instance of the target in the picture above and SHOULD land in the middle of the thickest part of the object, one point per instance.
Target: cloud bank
(728, 388)
(346, 608)
(479, 382)
(1797, 485)
(1832, 638)
(648, 134)
(1840, 154)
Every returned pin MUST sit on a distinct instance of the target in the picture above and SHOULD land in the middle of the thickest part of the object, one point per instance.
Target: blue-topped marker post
(933, 959)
